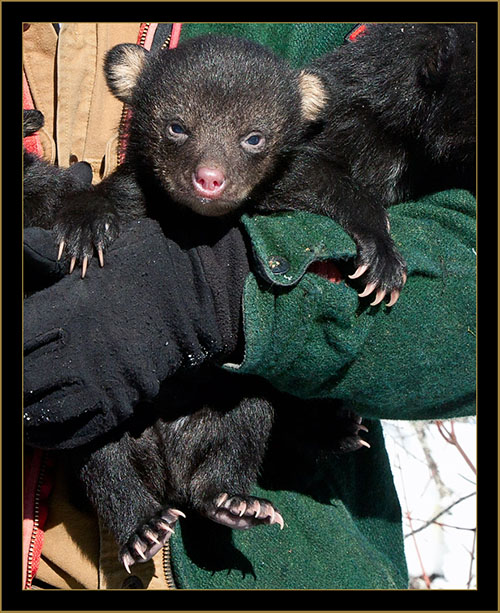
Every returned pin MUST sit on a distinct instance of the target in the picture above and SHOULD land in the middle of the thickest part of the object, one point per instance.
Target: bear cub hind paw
(244, 512)
(149, 538)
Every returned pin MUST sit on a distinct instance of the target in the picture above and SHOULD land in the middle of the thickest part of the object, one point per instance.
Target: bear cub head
(213, 118)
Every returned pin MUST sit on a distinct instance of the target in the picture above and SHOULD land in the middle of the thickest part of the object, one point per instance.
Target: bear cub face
(213, 118)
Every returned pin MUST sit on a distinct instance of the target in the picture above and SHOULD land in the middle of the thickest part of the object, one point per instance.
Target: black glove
(95, 347)
(41, 267)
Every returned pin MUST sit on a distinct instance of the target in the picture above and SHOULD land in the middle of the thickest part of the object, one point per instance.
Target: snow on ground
(437, 491)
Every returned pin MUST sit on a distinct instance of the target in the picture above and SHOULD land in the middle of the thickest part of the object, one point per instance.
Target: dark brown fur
(203, 449)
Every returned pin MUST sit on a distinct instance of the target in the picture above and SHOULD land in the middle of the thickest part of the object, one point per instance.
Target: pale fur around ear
(314, 96)
(122, 66)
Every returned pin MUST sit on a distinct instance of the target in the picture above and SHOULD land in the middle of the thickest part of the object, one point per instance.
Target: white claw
(137, 547)
(378, 298)
(72, 264)
(394, 297)
(165, 526)
(221, 499)
(177, 513)
(359, 271)
(279, 520)
(258, 510)
(362, 442)
(152, 537)
(61, 249)
(127, 560)
(368, 290)
(84, 266)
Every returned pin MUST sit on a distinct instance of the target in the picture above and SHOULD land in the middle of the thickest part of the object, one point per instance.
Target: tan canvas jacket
(66, 80)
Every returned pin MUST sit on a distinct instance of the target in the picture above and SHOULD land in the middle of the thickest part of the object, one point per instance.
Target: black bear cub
(220, 125)
(214, 123)
(46, 186)
(400, 122)
(381, 120)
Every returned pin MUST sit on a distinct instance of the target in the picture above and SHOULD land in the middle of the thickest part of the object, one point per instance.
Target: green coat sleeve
(318, 339)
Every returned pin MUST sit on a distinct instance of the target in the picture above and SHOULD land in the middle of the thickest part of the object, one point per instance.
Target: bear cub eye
(254, 142)
(177, 131)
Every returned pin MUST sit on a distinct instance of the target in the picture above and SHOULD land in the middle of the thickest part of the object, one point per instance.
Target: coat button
(278, 265)
(133, 583)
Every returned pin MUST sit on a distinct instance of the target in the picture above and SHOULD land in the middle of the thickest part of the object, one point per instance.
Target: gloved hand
(95, 347)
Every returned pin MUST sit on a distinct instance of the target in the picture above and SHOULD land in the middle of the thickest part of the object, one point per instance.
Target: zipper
(167, 42)
(122, 135)
(36, 522)
(144, 33)
(125, 116)
(122, 143)
(167, 567)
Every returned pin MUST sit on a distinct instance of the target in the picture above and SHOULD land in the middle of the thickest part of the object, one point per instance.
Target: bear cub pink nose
(209, 182)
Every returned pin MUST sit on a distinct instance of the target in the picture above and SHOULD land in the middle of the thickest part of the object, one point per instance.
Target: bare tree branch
(451, 438)
(431, 521)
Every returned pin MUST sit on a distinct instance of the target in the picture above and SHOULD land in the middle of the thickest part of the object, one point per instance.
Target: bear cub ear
(314, 96)
(122, 66)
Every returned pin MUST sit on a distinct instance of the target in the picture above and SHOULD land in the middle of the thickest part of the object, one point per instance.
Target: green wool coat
(314, 339)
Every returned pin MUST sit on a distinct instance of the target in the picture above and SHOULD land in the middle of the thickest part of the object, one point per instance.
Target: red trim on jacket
(38, 477)
(38, 482)
(37, 485)
(176, 33)
(145, 39)
(358, 31)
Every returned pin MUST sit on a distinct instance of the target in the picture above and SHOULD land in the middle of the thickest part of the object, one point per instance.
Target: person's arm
(313, 338)
(94, 348)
